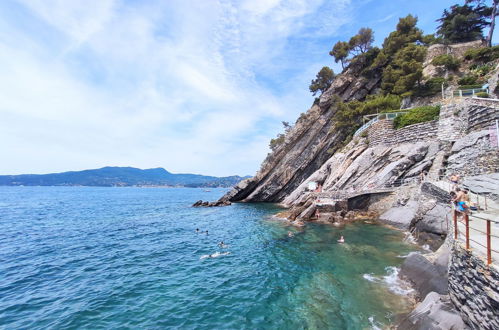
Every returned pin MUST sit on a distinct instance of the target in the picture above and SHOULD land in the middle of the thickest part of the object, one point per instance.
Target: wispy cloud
(192, 86)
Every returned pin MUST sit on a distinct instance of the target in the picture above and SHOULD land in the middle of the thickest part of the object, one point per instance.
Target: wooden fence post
(455, 224)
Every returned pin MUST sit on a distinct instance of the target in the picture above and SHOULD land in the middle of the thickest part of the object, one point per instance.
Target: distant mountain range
(119, 177)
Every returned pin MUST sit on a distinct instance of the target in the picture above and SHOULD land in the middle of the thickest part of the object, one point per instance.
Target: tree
(405, 70)
(362, 41)
(322, 81)
(464, 23)
(406, 33)
(340, 52)
(492, 22)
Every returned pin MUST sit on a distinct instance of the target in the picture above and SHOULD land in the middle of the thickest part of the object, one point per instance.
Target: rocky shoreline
(319, 173)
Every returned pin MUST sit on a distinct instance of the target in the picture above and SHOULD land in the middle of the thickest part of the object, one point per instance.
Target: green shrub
(417, 115)
(274, 143)
(448, 61)
(484, 54)
(349, 115)
(482, 70)
(482, 94)
(430, 87)
(470, 86)
(467, 80)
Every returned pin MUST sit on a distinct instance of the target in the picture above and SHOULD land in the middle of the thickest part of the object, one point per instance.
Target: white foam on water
(391, 280)
(394, 283)
(374, 326)
(409, 238)
(214, 255)
(370, 278)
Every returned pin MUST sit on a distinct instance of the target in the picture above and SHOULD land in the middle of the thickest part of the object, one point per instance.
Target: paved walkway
(478, 238)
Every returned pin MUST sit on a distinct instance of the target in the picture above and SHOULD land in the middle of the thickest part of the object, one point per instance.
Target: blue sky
(191, 86)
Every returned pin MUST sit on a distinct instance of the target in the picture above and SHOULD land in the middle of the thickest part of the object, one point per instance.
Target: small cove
(81, 257)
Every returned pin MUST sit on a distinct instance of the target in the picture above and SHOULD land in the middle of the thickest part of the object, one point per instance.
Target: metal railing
(468, 92)
(377, 117)
(467, 239)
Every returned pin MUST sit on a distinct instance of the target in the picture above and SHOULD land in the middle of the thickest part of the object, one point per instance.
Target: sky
(191, 86)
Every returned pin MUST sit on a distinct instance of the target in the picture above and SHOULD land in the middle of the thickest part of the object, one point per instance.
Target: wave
(391, 280)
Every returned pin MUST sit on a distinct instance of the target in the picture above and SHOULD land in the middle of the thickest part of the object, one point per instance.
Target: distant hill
(119, 176)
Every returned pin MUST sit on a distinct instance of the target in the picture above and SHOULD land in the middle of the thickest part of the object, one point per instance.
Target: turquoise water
(94, 258)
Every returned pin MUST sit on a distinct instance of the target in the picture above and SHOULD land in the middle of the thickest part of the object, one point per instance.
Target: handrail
(377, 117)
(488, 232)
(467, 92)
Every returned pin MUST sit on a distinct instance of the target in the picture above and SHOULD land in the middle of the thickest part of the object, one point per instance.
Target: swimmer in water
(290, 234)
(341, 240)
(197, 230)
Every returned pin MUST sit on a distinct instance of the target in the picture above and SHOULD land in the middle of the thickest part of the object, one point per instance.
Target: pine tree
(464, 23)
(322, 81)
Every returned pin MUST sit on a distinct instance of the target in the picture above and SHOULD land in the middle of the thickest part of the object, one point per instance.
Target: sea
(132, 258)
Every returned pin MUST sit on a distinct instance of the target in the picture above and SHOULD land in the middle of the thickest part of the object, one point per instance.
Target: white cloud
(175, 84)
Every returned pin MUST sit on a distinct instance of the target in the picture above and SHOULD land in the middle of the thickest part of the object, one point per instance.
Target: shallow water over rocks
(81, 257)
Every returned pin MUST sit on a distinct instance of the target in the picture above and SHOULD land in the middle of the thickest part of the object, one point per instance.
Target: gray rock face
(435, 312)
(433, 221)
(302, 153)
(486, 184)
(307, 146)
(425, 275)
(401, 217)
(474, 154)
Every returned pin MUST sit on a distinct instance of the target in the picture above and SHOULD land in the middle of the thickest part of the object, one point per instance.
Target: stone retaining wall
(474, 289)
(482, 113)
(382, 132)
(453, 121)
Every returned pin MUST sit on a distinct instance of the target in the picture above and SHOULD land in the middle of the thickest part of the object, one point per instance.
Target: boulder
(425, 275)
(485, 184)
(435, 312)
(402, 216)
(435, 220)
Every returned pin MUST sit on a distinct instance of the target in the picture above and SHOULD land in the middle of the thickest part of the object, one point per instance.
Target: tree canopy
(358, 44)
(464, 23)
(322, 81)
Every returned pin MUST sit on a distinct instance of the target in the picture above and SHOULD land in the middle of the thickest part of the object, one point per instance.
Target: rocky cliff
(313, 141)
(307, 146)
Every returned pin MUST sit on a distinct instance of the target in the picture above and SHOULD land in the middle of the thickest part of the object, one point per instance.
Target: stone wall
(382, 132)
(453, 121)
(474, 289)
(482, 113)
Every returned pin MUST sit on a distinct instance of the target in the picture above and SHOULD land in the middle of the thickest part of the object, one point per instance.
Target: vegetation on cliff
(417, 115)
(395, 69)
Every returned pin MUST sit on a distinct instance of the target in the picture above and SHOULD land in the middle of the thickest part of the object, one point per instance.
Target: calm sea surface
(101, 258)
